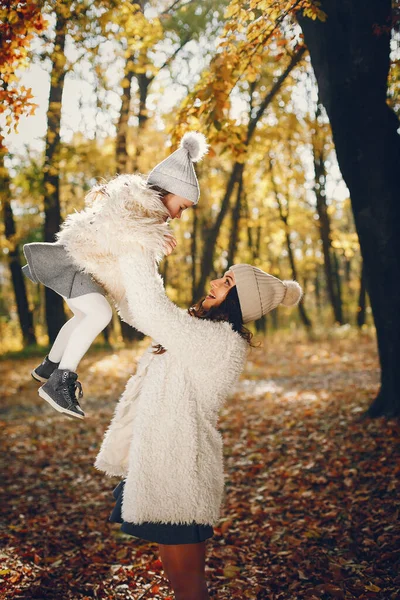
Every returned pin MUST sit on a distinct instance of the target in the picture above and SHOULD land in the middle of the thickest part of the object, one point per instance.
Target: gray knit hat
(259, 292)
(176, 173)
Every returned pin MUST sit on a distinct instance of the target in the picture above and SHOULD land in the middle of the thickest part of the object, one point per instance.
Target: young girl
(122, 216)
(163, 439)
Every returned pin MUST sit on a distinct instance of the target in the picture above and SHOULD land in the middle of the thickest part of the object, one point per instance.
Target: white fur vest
(118, 217)
(163, 437)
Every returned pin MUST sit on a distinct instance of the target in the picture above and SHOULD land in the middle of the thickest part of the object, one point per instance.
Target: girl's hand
(169, 243)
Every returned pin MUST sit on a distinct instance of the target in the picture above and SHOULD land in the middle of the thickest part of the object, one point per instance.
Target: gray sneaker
(60, 392)
(44, 370)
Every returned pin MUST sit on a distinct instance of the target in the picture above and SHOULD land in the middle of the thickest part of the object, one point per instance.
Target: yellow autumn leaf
(231, 571)
(372, 588)
(232, 10)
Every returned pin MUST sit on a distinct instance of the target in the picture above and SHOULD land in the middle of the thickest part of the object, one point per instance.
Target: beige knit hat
(259, 292)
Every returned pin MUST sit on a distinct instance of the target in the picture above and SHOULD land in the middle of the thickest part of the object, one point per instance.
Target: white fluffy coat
(121, 216)
(163, 437)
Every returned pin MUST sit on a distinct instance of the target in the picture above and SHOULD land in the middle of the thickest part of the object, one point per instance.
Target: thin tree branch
(265, 40)
(295, 59)
(171, 58)
(173, 5)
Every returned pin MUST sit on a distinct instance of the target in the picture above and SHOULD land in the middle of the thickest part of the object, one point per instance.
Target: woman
(163, 438)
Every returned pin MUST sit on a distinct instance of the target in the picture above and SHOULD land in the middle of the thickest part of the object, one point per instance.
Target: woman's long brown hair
(229, 310)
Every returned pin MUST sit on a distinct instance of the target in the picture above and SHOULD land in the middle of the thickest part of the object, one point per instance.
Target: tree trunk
(303, 315)
(144, 84)
(248, 228)
(362, 299)
(317, 287)
(55, 316)
(24, 314)
(338, 285)
(262, 323)
(234, 237)
(347, 269)
(121, 149)
(257, 247)
(284, 216)
(106, 333)
(325, 226)
(351, 65)
(193, 251)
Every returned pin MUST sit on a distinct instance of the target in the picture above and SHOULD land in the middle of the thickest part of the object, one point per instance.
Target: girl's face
(219, 289)
(175, 205)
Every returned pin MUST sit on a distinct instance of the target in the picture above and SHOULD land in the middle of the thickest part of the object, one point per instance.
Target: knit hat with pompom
(259, 292)
(176, 173)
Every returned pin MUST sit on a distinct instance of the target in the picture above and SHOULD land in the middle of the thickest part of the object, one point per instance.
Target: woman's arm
(200, 344)
(125, 314)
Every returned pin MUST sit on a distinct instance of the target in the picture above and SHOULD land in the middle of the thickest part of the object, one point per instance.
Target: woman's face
(175, 205)
(219, 289)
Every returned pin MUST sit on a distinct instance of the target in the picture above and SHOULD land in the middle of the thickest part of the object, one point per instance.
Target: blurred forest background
(122, 81)
(299, 100)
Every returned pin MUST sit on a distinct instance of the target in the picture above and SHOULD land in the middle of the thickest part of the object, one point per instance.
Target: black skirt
(162, 533)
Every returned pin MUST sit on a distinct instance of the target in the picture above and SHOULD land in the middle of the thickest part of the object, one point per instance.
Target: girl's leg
(184, 565)
(61, 341)
(97, 314)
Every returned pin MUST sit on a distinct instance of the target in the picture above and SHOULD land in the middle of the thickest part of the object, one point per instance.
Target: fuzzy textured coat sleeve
(208, 349)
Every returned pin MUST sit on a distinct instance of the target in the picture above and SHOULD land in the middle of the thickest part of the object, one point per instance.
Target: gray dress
(49, 264)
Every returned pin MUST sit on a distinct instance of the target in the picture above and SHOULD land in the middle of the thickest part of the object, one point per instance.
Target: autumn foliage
(252, 36)
(311, 506)
(20, 20)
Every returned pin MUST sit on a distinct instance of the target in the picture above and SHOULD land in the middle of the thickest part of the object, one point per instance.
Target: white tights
(92, 314)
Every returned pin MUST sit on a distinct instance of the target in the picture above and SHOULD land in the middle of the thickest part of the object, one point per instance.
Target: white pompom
(293, 293)
(195, 143)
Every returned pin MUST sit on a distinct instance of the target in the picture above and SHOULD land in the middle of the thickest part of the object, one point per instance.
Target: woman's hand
(169, 243)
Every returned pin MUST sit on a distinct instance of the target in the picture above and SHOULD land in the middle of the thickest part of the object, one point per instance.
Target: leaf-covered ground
(311, 508)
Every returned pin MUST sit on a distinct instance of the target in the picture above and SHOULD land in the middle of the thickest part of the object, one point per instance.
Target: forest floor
(312, 488)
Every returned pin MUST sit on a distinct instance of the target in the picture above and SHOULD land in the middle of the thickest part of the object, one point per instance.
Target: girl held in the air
(128, 214)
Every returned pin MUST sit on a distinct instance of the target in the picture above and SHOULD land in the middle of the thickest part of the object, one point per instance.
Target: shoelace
(72, 385)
